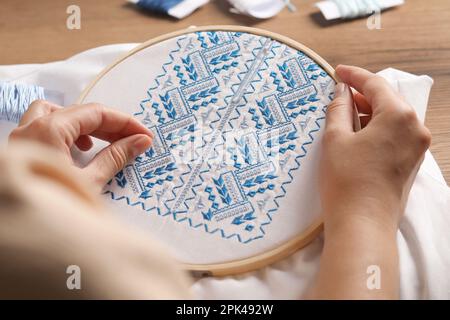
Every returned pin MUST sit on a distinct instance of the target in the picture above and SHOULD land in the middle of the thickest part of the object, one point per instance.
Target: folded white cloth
(423, 238)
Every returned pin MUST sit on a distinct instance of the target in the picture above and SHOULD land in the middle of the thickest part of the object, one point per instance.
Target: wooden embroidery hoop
(290, 246)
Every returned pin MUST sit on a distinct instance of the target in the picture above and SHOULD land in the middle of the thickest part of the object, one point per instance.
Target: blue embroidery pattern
(233, 114)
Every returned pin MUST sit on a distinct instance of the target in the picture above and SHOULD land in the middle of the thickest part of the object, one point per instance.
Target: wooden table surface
(414, 37)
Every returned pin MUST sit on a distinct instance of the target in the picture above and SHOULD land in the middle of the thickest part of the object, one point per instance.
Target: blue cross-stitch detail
(277, 81)
(160, 182)
(204, 103)
(312, 67)
(150, 153)
(159, 171)
(168, 105)
(243, 218)
(180, 75)
(261, 190)
(213, 37)
(225, 67)
(180, 133)
(201, 38)
(249, 227)
(208, 77)
(207, 215)
(244, 148)
(287, 75)
(211, 197)
(145, 194)
(260, 179)
(225, 57)
(161, 75)
(302, 101)
(203, 94)
(267, 114)
(255, 118)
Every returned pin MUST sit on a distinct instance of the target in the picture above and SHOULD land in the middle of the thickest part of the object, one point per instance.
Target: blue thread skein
(161, 6)
(15, 99)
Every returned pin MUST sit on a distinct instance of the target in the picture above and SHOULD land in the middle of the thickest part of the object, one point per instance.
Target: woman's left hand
(62, 128)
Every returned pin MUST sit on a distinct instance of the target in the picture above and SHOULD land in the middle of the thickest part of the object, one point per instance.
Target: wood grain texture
(414, 37)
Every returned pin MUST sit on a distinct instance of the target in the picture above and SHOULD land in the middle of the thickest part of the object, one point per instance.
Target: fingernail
(339, 89)
(140, 144)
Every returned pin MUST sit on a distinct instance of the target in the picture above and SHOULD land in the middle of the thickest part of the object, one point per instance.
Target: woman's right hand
(375, 167)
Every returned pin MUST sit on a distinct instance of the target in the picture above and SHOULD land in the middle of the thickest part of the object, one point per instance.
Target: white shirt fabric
(423, 238)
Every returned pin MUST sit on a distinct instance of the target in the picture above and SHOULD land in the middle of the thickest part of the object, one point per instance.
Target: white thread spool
(15, 99)
(350, 9)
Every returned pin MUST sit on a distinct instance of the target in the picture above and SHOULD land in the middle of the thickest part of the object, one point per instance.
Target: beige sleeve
(50, 220)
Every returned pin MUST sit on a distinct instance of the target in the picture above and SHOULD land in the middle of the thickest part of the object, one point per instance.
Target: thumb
(114, 157)
(340, 110)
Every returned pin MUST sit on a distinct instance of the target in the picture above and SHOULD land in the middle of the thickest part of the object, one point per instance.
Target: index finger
(90, 118)
(374, 88)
